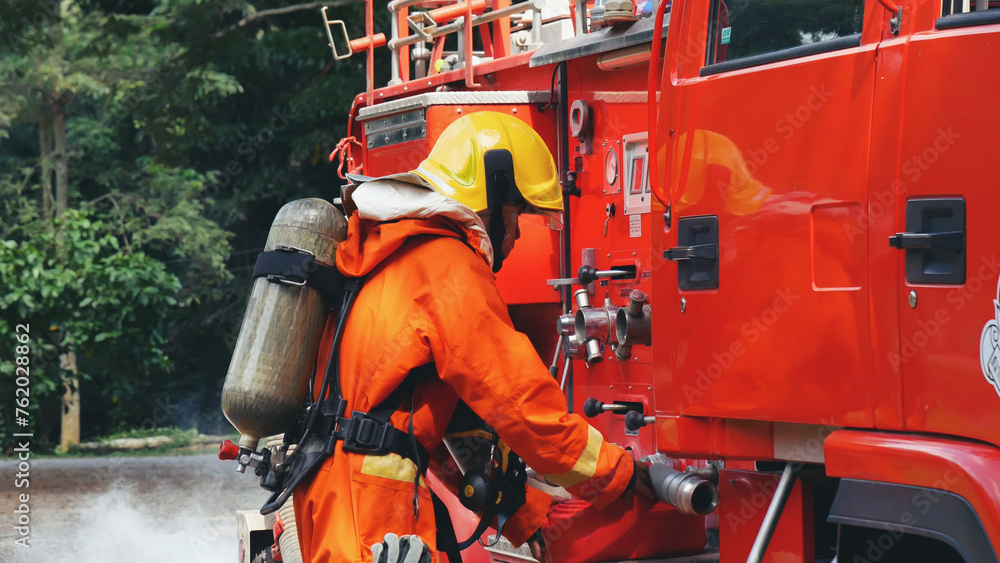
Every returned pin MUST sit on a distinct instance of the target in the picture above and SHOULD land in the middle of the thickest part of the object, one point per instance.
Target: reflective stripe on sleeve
(586, 464)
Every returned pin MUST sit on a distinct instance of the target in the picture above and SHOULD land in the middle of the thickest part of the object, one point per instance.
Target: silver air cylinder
(688, 493)
(276, 349)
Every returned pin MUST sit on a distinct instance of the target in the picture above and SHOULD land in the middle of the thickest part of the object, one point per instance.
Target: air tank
(276, 350)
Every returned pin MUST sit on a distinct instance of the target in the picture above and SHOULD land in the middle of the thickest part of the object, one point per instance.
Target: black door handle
(951, 240)
(700, 251)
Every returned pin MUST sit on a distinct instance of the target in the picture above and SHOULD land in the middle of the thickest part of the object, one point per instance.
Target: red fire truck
(777, 269)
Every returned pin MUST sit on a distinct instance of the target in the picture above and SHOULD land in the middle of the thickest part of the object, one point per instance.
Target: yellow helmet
(471, 150)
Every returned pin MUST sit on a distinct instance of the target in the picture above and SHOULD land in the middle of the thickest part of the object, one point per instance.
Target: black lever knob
(592, 407)
(634, 420)
(589, 274)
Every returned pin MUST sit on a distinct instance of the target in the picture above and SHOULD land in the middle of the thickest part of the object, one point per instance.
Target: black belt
(363, 434)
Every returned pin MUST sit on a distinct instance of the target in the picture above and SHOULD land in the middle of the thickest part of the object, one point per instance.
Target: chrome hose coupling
(687, 492)
(633, 325)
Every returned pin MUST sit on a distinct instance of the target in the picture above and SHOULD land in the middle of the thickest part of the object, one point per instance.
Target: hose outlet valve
(594, 327)
(633, 325)
(687, 492)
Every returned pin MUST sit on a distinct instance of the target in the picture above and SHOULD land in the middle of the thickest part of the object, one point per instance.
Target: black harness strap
(404, 391)
(371, 433)
(484, 523)
(294, 266)
(447, 541)
(316, 441)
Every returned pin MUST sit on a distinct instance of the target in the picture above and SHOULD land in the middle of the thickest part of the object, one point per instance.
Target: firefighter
(427, 244)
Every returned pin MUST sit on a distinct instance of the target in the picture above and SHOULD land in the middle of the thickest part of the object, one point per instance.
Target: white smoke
(120, 527)
(134, 520)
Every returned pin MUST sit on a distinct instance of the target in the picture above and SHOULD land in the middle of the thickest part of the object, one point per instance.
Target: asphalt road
(142, 510)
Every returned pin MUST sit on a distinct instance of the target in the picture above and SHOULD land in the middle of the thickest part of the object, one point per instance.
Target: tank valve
(633, 325)
(228, 450)
(245, 457)
(592, 407)
(257, 460)
(687, 492)
(593, 325)
(634, 420)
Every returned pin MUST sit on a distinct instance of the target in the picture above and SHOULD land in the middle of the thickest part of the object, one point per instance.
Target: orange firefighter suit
(429, 295)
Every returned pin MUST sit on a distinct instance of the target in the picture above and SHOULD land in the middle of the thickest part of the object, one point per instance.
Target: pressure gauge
(611, 167)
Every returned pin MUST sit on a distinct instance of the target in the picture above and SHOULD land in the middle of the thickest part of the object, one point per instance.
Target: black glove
(640, 482)
(536, 543)
(406, 549)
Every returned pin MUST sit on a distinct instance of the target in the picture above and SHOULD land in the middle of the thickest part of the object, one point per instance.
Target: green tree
(72, 74)
(80, 291)
(186, 124)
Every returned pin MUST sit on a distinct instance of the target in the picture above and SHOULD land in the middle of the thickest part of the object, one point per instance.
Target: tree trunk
(62, 162)
(45, 151)
(71, 402)
(67, 361)
(58, 106)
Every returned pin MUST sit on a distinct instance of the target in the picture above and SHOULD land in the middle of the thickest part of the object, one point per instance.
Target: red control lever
(228, 450)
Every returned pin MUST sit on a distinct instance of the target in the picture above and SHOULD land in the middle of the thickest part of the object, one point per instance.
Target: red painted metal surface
(447, 13)
(808, 164)
(743, 500)
(785, 336)
(944, 152)
(626, 530)
(966, 468)
(814, 215)
(365, 43)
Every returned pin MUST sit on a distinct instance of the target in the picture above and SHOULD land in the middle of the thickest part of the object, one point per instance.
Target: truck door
(768, 146)
(945, 242)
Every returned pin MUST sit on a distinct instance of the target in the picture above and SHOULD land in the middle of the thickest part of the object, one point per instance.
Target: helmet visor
(549, 218)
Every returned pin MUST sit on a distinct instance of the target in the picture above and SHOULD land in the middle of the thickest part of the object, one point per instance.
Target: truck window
(739, 29)
(949, 7)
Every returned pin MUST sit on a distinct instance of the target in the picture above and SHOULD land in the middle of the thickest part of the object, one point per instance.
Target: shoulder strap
(383, 411)
(446, 539)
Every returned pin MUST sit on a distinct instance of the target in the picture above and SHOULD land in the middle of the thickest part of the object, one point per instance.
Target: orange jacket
(428, 296)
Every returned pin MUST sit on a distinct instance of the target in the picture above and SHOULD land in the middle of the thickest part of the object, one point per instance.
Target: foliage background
(187, 123)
